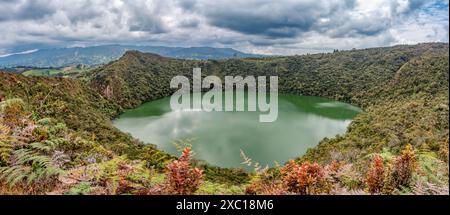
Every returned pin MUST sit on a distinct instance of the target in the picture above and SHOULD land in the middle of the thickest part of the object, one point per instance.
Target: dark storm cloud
(289, 19)
(254, 24)
(187, 4)
(274, 19)
(24, 10)
(145, 18)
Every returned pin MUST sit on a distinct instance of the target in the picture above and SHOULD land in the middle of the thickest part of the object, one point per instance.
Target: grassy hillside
(403, 130)
(56, 72)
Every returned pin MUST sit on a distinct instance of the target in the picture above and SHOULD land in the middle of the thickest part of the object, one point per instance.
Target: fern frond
(41, 147)
(48, 145)
(14, 174)
(4, 130)
(6, 150)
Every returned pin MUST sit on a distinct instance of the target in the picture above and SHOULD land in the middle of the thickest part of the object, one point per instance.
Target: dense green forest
(56, 134)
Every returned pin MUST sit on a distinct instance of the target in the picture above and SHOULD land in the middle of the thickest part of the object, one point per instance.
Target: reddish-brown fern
(404, 167)
(375, 175)
(304, 179)
(181, 178)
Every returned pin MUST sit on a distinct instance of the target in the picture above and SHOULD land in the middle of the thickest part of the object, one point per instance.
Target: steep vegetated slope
(65, 99)
(347, 76)
(411, 108)
(399, 144)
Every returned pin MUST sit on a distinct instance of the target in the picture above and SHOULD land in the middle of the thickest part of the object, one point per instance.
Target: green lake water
(218, 137)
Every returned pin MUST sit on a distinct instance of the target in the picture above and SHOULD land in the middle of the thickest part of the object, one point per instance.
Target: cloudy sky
(256, 26)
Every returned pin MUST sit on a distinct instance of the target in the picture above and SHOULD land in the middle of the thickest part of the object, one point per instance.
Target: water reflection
(219, 136)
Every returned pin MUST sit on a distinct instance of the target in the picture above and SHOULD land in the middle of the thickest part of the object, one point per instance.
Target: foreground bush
(30, 155)
(305, 179)
(404, 167)
(375, 175)
(181, 178)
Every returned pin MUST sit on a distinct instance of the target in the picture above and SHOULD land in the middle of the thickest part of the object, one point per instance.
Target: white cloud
(280, 27)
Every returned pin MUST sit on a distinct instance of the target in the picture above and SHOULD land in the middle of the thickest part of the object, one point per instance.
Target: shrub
(211, 188)
(13, 111)
(332, 170)
(305, 179)
(401, 171)
(6, 148)
(375, 175)
(181, 178)
(404, 167)
(265, 183)
(83, 188)
(120, 175)
(443, 150)
(31, 170)
(261, 187)
(427, 188)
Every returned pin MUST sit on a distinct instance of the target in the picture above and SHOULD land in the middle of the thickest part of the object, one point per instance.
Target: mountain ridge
(97, 55)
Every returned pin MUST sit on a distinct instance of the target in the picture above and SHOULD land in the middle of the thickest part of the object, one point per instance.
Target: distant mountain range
(95, 55)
